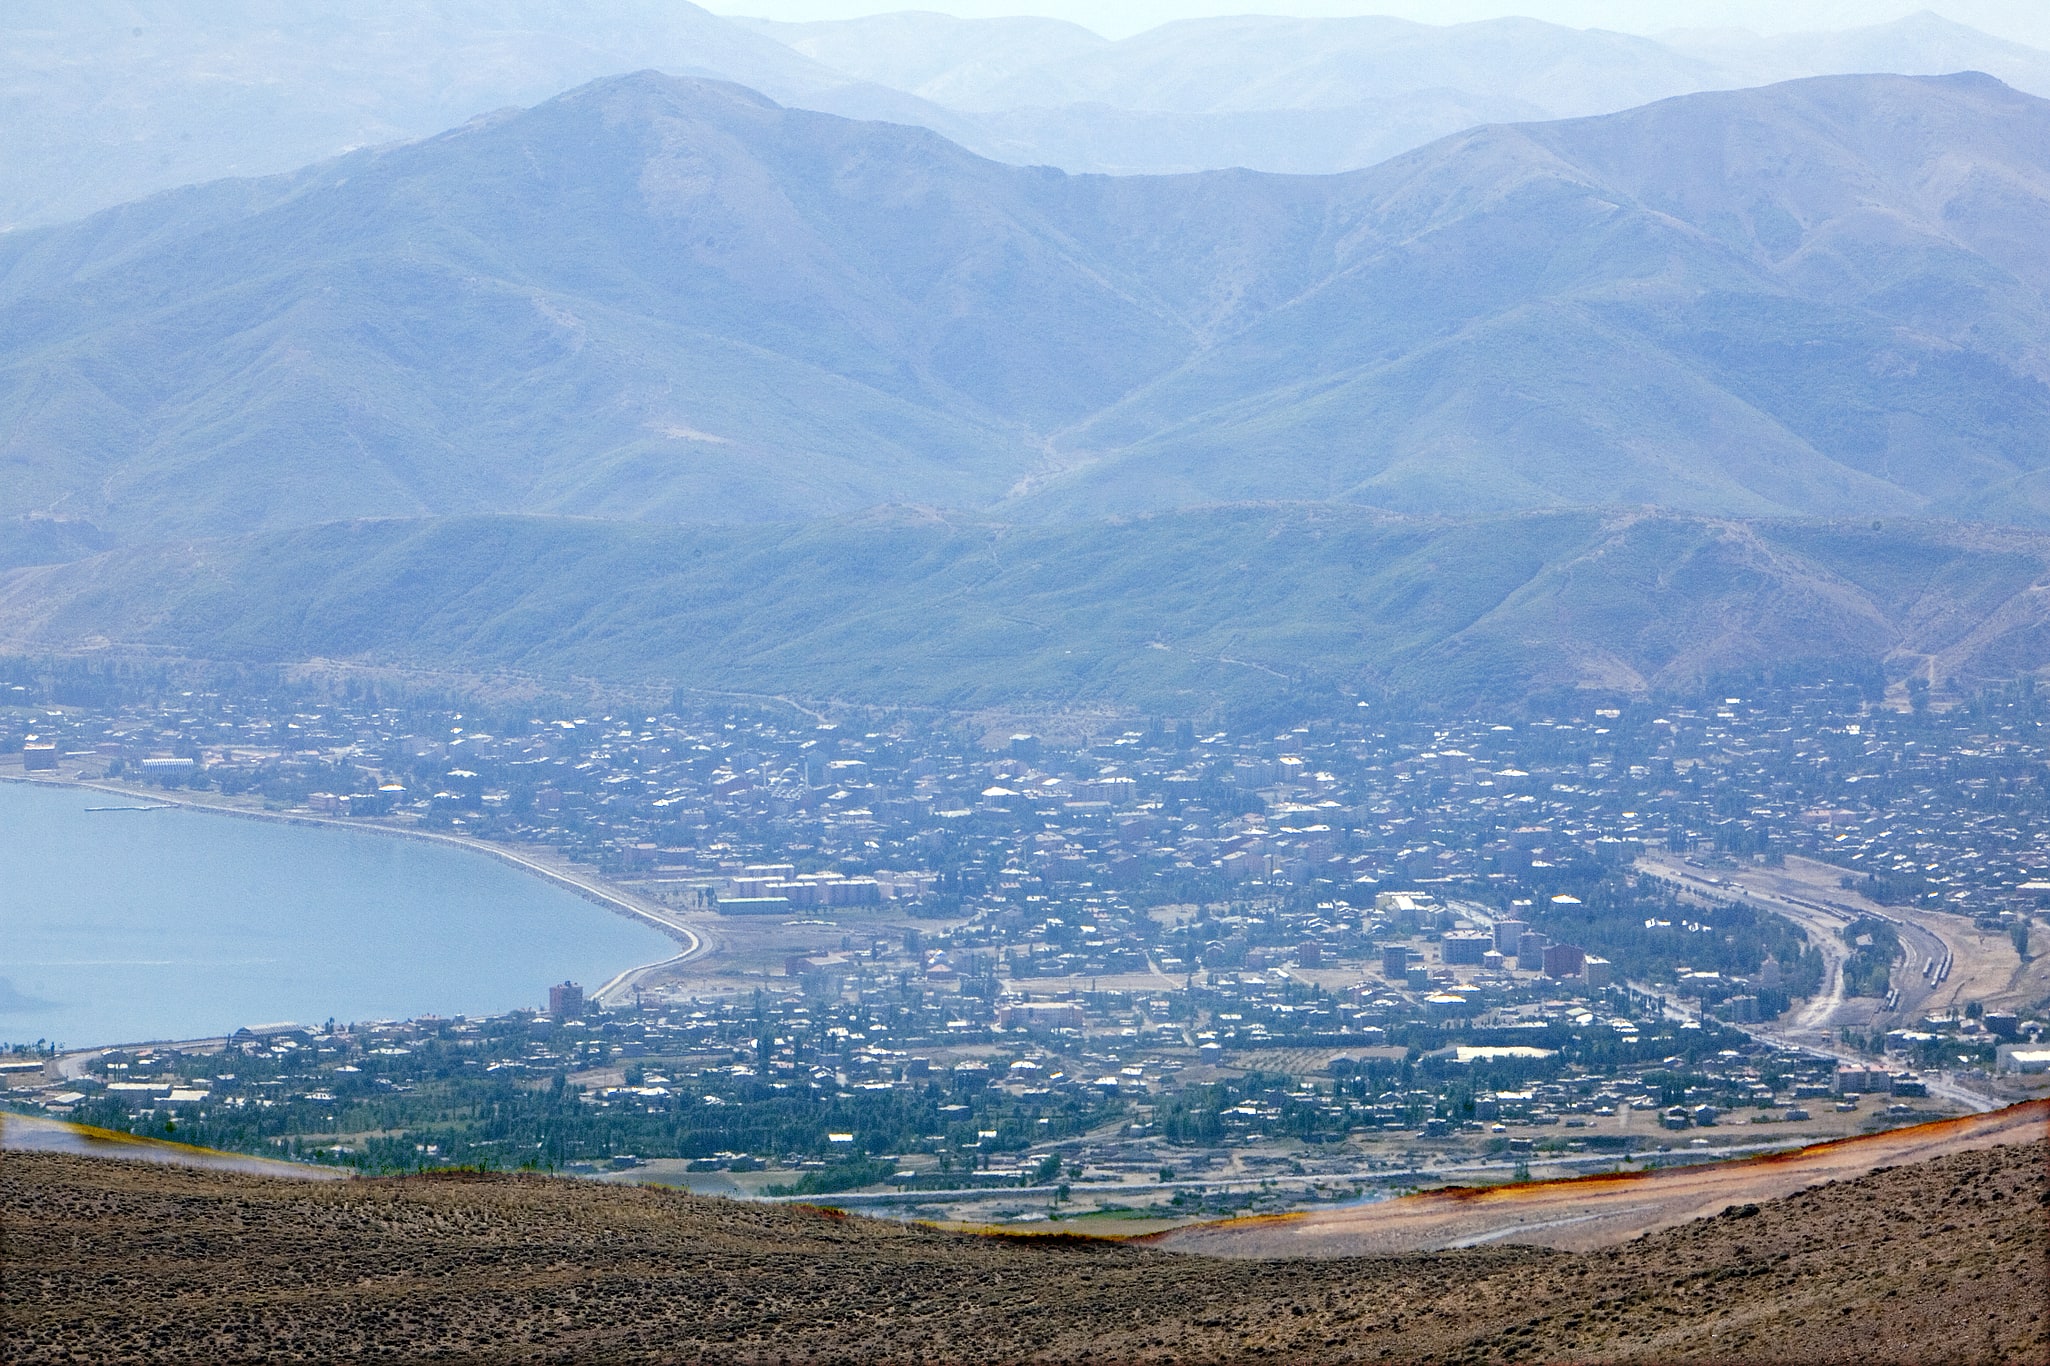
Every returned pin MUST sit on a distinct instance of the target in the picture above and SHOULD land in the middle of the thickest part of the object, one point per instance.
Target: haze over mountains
(2023, 21)
(109, 100)
(673, 300)
(114, 99)
(621, 380)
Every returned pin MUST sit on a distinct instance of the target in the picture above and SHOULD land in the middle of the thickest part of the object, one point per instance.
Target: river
(120, 926)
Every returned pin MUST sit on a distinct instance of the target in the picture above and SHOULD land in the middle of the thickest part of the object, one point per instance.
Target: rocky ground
(1946, 1260)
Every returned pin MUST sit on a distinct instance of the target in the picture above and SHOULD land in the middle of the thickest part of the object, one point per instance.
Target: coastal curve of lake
(122, 926)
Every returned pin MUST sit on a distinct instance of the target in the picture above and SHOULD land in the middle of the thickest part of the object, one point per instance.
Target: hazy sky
(2021, 19)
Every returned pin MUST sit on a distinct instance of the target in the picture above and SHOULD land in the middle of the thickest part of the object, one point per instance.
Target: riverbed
(124, 925)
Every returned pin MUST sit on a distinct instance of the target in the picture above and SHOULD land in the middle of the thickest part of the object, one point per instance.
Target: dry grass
(1947, 1260)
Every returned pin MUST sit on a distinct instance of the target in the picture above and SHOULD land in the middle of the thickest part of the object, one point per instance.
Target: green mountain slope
(676, 301)
(1827, 296)
(1150, 611)
(656, 298)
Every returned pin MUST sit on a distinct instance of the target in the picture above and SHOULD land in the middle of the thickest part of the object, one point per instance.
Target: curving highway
(1813, 1024)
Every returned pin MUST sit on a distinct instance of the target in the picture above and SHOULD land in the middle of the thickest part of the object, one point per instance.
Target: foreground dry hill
(1943, 1261)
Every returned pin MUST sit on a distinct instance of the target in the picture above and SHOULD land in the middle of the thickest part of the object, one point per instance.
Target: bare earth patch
(1944, 1260)
(1591, 1212)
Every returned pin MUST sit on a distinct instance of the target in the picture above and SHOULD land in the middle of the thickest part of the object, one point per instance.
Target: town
(1104, 1111)
(1167, 965)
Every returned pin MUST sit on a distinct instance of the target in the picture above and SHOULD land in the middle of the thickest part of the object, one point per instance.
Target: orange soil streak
(91, 1137)
(1666, 1196)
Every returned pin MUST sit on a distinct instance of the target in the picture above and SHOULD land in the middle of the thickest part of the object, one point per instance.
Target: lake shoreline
(590, 889)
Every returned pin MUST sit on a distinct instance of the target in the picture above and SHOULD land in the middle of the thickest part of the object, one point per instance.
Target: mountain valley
(675, 301)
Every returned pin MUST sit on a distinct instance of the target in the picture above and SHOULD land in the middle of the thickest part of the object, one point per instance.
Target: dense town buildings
(1939, 807)
(1165, 938)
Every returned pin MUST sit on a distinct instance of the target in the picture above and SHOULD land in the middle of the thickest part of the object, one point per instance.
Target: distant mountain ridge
(677, 301)
(1313, 96)
(1247, 63)
(1660, 306)
(111, 100)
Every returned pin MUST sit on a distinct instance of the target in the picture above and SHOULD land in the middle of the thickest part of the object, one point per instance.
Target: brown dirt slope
(1942, 1261)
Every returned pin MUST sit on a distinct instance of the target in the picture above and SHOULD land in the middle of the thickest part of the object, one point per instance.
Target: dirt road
(1595, 1211)
(35, 1134)
(1983, 964)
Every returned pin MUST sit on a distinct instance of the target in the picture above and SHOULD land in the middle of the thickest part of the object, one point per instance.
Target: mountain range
(110, 100)
(663, 381)
(674, 300)
(2022, 21)
(1268, 62)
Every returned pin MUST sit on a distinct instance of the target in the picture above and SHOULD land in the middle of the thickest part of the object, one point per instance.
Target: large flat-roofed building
(38, 754)
(753, 905)
(1465, 947)
(1040, 1015)
(2023, 1058)
(566, 1001)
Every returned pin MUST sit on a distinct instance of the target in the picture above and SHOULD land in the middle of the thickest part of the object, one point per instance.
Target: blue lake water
(121, 926)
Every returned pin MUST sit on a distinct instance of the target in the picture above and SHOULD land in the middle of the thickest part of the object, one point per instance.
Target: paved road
(1823, 913)
(697, 939)
(1597, 1211)
(1812, 1026)
(1928, 940)
(1815, 1019)
(1577, 1163)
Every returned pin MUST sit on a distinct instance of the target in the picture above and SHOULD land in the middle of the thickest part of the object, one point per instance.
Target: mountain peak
(638, 96)
(671, 298)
